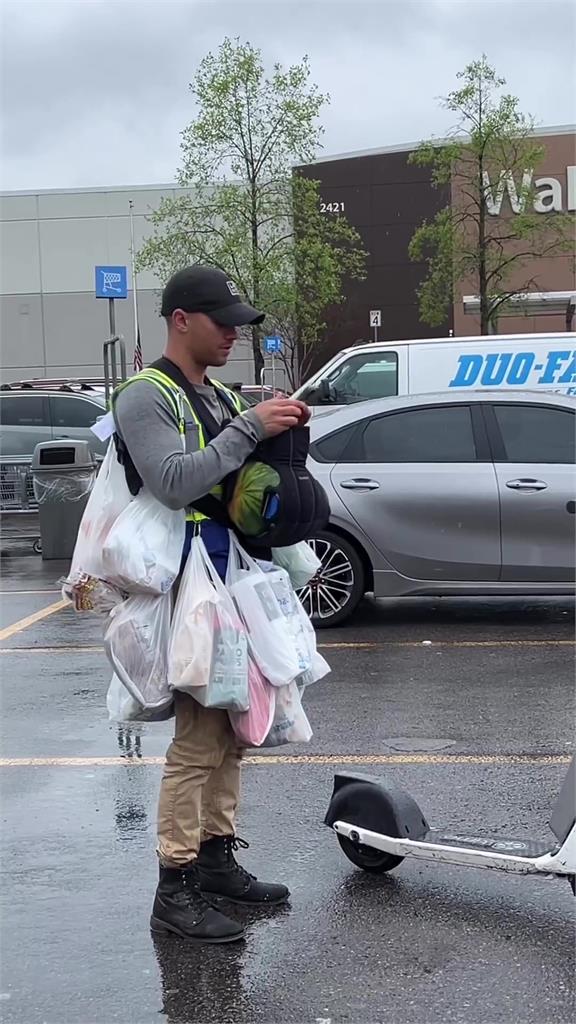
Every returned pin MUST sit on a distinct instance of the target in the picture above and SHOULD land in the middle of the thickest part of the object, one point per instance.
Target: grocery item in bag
(136, 642)
(290, 723)
(143, 549)
(300, 562)
(271, 644)
(252, 726)
(208, 655)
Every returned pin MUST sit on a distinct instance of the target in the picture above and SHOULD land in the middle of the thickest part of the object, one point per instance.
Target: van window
(358, 379)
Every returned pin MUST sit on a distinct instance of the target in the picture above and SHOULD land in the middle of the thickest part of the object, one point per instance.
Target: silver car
(446, 494)
(49, 410)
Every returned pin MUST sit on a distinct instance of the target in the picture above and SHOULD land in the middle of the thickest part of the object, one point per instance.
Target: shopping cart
(19, 519)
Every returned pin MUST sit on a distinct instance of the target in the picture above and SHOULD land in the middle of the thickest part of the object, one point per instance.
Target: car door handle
(526, 484)
(360, 484)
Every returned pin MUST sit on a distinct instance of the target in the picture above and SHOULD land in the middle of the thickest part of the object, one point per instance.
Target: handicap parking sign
(111, 282)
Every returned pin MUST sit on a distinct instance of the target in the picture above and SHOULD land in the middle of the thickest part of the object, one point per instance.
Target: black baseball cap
(208, 290)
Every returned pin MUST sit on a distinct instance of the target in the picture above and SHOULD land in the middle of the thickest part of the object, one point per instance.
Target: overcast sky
(95, 92)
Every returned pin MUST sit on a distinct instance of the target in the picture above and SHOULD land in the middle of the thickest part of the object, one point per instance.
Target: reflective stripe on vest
(176, 397)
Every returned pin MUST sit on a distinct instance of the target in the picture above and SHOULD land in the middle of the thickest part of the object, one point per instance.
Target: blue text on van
(515, 369)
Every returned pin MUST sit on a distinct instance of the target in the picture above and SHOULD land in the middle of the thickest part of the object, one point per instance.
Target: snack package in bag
(271, 643)
(143, 549)
(122, 707)
(252, 726)
(208, 656)
(290, 723)
(300, 562)
(136, 642)
(85, 584)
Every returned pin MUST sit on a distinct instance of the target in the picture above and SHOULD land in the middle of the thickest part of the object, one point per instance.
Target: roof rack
(73, 384)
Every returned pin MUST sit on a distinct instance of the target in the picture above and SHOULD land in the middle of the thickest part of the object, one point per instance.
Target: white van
(540, 362)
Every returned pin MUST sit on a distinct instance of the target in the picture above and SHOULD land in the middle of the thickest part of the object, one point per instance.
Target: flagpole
(137, 342)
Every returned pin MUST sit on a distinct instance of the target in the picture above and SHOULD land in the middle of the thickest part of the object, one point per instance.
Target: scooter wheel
(367, 858)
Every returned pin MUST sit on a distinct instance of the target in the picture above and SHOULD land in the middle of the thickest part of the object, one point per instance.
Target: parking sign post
(112, 318)
(375, 321)
(273, 347)
(112, 283)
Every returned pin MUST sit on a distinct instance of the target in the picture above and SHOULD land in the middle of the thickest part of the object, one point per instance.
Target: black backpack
(273, 500)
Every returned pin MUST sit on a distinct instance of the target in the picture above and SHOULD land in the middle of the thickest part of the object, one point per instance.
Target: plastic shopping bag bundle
(85, 584)
(143, 549)
(208, 656)
(136, 641)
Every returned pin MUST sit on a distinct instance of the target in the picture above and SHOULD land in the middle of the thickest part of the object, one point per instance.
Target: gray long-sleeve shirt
(146, 423)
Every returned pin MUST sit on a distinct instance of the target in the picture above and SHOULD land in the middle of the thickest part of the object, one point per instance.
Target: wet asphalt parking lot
(467, 704)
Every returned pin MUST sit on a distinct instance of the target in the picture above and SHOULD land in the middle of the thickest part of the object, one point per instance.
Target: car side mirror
(324, 392)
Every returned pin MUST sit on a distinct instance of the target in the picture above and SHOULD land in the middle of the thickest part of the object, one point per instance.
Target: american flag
(138, 361)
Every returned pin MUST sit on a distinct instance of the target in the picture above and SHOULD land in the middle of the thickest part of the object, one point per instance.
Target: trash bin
(63, 474)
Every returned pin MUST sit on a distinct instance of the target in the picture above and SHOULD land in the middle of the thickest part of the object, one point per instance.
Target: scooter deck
(528, 848)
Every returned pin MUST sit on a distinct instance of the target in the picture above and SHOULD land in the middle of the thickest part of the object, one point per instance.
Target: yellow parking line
(10, 593)
(61, 649)
(449, 643)
(30, 620)
(544, 760)
(374, 645)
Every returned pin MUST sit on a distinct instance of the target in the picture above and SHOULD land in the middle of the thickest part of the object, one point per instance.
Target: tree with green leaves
(243, 209)
(477, 238)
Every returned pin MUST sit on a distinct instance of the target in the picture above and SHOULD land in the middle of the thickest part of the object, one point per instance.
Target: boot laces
(233, 844)
(190, 893)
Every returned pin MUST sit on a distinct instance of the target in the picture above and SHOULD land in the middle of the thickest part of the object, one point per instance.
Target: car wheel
(333, 594)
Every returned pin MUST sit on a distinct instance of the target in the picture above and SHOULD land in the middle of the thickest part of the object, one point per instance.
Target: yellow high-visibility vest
(176, 398)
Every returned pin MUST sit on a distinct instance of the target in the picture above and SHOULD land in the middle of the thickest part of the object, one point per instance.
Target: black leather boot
(221, 875)
(179, 907)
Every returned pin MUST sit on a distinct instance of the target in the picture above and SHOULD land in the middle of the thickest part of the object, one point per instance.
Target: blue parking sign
(273, 344)
(111, 282)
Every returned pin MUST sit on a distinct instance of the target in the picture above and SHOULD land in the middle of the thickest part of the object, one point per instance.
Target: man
(201, 781)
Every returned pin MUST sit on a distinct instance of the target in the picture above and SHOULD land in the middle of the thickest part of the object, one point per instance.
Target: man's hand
(279, 414)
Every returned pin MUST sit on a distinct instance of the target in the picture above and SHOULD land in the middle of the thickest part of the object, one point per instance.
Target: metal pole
(375, 332)
(273, 374)
(134, 283)
(112, 318)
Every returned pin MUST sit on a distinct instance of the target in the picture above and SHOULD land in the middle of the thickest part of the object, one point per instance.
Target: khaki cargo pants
(201, 782)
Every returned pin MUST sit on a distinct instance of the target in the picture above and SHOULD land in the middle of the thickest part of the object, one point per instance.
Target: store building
(52, 325)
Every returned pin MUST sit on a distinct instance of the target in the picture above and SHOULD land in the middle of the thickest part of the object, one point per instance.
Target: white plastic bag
(143, 549)
(290, 724)
(136, 641)
(208, 655)
(122, 707)
(271, 643)
(85, 585)
(300, 562)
